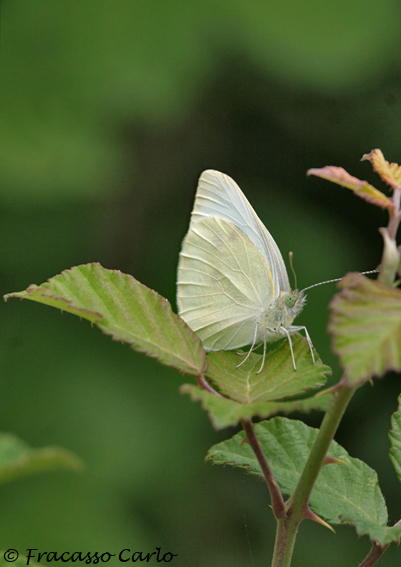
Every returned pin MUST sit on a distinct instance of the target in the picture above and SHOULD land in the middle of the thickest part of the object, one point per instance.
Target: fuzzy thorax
(279, 314)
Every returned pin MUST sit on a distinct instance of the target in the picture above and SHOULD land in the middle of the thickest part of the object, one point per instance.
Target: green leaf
(376, 532)
(361, 188)
(224, 412)
(389, 172)
(366, 328)
(125, 309)
(343, 492)
(278, 378)
(21, 561)
(395, 439)
(18, 459)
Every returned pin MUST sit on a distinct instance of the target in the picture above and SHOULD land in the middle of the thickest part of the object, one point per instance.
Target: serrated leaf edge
(332, 306)
(162, 302)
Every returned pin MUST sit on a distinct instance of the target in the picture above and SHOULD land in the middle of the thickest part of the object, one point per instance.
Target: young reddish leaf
(361, 188)
(389, 172)
(366, 328)
(125, 309)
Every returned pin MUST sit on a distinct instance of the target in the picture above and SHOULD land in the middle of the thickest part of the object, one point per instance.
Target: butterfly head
(294, 300)
(292, 304)
(282, 311)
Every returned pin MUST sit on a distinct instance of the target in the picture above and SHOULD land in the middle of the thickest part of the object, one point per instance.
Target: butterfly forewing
(219, 196)
(224, 283)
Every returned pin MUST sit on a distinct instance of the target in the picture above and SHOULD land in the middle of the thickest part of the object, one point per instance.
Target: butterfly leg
(290, 342)
(308, 339)
(264, 356)
(251, 349)
(310, 344)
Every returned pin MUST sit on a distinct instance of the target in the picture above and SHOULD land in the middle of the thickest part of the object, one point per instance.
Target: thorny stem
(297, 505)
(299, 499)
(289, 515)
(285, 541)
(278, 505)
(389, 266)
(275, 494)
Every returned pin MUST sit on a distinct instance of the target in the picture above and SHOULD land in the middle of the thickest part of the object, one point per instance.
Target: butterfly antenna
(291, 255)
(338, 279)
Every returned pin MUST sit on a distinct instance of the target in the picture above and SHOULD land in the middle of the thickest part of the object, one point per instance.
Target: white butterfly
(233, 287)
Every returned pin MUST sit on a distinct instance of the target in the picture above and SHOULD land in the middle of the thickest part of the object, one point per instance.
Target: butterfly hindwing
(224, 283)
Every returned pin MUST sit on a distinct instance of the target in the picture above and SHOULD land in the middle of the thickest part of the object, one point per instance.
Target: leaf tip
(389, 172)
(368, 157)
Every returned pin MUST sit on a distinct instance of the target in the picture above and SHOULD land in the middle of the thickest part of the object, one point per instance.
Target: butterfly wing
(224, 283)
(219, 196)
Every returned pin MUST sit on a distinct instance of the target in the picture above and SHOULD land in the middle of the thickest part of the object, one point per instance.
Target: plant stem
(275, 494)
(391, 256)
(395, 215)
(330, 423)
(376, 552)
(285, 541)
(297, 505)
(374, 555)
(206, 386)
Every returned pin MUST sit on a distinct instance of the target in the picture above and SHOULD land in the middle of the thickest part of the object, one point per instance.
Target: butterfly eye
(290, 300)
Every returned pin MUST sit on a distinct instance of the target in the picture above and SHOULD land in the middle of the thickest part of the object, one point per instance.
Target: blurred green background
(109, 112)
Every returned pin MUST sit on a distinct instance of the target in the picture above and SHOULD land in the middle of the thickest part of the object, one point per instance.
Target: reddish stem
(275, 494)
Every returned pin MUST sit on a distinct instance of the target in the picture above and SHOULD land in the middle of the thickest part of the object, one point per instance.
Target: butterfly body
(279, 315)
(233, 287)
